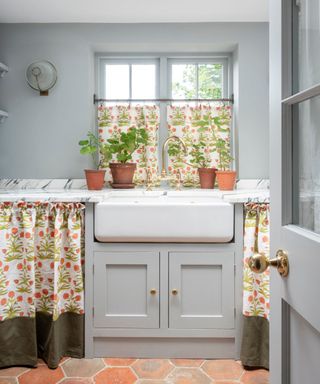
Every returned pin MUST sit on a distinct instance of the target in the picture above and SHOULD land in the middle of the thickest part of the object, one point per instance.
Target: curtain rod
(95, 100)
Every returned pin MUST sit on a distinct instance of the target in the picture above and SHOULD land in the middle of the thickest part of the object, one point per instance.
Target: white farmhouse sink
(163, 217)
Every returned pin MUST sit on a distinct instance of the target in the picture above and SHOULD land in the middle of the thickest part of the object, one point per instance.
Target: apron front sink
(164, 217)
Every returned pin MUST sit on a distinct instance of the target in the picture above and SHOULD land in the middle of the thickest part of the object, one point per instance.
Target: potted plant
(94, 177)
(123, 148)
(226, 178)
(198, 159)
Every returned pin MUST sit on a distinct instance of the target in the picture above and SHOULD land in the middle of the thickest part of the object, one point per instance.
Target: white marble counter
(75, 190)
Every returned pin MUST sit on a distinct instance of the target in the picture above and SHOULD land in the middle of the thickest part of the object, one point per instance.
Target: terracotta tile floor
(139, 371)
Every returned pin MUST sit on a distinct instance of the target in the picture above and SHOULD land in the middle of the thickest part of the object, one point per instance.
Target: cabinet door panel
(122, 289)
(201, 290)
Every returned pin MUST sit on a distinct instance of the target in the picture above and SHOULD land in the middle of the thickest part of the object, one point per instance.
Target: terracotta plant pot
(122, 174)
(226, 180)
(207, 177)
(95, 178)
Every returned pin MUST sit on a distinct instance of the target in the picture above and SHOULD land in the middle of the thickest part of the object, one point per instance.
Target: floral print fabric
(41, 259)
(256, 295)
(112, 120)
(205, 123)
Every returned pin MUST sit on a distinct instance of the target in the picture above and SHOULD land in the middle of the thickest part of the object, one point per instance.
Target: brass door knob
(259, 262)
(174, 292)
(153, 291)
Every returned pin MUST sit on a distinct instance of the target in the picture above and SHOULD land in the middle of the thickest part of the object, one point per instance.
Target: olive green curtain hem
(255, 342)
(23, 340)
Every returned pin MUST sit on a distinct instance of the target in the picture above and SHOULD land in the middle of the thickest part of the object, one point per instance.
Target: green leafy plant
(225, 158)
(90, 146)
(125, 145)
(198, 156)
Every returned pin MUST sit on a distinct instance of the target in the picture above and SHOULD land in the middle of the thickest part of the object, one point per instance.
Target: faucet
(164, 147)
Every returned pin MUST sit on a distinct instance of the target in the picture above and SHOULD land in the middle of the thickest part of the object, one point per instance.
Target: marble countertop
(75, 190)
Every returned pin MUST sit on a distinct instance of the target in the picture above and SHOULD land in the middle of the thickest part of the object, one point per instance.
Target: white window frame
(200, 60)
(163, 80)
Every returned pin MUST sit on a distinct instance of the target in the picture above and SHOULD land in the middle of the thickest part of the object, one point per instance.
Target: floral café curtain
(112, 120)
(202, 123)
(41, 282)
(256, 296)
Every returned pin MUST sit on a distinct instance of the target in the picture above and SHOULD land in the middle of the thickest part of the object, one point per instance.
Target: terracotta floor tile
(119, 362)
(12, 372)
(259, 376)
(73, 380)
(222, 369)
(187, 362)
(152, 368)
(150, 381)
(41, 375)
(116, 376)
(188, 376)
(8, 380)
(82, 367)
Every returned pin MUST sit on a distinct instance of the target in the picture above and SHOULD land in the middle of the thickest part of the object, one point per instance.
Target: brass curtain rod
(95, 100)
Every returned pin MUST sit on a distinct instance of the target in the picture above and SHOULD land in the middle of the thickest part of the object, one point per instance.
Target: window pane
(143, 81)
(184, 82)
(306, 43)
(210, 79)
(306, 160)
(117, 81)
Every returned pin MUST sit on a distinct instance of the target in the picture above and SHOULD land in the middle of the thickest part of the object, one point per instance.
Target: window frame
(102, 61)
(164, 88)
(291, 97)
(197, 61)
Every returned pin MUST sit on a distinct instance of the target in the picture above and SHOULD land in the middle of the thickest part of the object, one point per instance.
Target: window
(198, 79)
(162, 76)
(177, 78)
(301, 113)
(128, 79)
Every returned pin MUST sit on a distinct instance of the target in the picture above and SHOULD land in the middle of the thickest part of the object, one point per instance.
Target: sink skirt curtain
(41, 282)
(256, 304)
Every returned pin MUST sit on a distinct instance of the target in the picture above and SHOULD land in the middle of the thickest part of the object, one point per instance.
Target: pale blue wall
(39, 139)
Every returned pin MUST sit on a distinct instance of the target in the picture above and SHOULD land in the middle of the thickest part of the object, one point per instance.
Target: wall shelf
(3, 116)
(3, 69)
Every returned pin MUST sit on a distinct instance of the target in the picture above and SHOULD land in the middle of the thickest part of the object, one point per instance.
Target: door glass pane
(143, 81)
(306, 164)
(184, 81)
(210, 78)
(117, 81)
(306, 44)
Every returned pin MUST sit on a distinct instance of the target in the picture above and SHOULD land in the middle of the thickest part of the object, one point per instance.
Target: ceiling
(132, 11)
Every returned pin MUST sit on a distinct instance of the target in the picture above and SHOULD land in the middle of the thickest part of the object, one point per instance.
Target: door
(201, 289)
(126, 289)
(295, 189)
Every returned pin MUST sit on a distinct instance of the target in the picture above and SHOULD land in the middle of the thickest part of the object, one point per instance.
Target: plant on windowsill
(226, 178)
(123, 147)
(90, 146)
(207, 174)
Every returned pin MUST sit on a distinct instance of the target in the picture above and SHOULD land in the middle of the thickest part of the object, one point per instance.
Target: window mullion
(197, 81)
(130, 81)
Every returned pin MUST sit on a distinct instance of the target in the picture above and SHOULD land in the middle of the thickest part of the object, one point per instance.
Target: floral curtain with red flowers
(41, 282)
(194, 124)
(112, 120)
(256, 294)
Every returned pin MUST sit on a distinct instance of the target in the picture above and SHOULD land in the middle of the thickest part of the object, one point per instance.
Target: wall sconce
(41, 76)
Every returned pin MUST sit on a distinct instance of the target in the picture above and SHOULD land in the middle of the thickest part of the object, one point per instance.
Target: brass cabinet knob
(174, 292)
(259, 262)
(153, 291)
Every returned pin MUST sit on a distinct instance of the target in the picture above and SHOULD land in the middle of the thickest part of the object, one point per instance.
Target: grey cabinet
(201, 290)
(126, 289)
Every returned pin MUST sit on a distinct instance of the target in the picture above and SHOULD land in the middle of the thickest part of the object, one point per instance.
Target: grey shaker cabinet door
(201, 290)
(126, 289)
